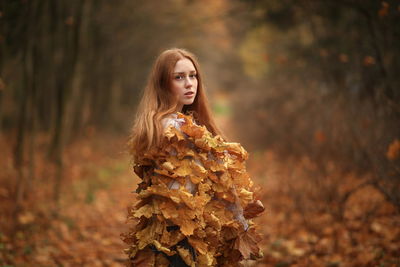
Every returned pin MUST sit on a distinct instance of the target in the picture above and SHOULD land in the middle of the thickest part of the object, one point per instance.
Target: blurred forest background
(310, 88)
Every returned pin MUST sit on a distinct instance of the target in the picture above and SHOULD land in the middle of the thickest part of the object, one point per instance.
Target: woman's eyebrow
(182, 72)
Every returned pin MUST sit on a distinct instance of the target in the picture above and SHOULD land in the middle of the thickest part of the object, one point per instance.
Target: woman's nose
(188, 82)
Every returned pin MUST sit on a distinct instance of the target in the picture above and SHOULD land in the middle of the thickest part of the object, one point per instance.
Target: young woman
(195, 201)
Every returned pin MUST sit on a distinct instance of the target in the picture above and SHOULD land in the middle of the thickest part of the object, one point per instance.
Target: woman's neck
(179, 108)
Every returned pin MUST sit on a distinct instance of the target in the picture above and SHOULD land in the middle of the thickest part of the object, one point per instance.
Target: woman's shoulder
(172, 119)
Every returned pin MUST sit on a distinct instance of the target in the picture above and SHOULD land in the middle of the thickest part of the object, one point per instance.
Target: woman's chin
(188, 102)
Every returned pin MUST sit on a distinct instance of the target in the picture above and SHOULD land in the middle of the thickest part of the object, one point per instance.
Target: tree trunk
(25, 100)
(65, 48)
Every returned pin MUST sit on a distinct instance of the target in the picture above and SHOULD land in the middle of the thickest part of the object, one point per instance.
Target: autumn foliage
(211, 219)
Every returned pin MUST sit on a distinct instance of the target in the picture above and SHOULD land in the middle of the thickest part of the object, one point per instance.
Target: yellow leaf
(148, 234)
(206, 260)
(146, 211)
(26, 217)
(161, 248)
(184, 169)
(186, 256)
(245, 195)
(168, 166)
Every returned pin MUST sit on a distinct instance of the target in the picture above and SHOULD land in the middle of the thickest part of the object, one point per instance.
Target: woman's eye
(182, 77)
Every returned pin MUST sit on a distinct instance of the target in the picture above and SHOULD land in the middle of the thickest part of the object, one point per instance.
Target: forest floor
(97, 186)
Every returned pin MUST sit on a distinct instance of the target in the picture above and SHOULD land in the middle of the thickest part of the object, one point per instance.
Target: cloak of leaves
(218, 171)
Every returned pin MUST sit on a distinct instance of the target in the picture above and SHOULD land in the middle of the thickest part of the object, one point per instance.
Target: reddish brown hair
(158, 101)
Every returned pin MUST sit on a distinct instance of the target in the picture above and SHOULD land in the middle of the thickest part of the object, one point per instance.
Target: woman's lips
(189, 94)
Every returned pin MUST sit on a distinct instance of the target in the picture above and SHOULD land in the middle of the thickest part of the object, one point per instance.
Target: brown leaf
(253, 209)
(246, 243)
(161, 261)
(200, 245)
(144, 258)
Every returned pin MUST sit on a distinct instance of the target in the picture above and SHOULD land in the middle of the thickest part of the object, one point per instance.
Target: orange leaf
(393, 151)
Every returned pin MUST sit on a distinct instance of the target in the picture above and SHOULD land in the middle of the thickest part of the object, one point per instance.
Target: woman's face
(184, 82)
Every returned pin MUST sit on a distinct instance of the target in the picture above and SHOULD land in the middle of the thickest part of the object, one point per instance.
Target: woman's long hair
(158, 101)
